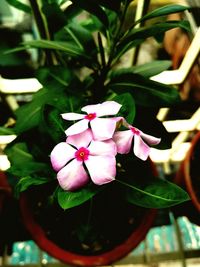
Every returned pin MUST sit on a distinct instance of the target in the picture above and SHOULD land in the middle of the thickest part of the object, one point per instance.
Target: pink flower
(123, 140)
(81, 158)
(102, 128)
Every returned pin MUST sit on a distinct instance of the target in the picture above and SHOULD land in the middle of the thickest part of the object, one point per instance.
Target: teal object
(158, 240)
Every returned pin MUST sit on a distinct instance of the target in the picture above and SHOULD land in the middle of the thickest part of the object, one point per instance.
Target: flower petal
(151, 140)
(140, 149)
(92, 108)
(72, 116)
(108, 108)
(123, 140)
(103, 109)
(107, 147)
(80, 140)
(102, 169)
(72, 176)
(61, 154)
(77, 128)
(103, 128)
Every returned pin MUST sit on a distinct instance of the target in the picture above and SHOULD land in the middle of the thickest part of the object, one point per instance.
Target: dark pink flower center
(90, 116)
(82, 154)
(135, 131)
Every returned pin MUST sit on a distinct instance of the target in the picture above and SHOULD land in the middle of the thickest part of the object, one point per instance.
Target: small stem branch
(39, 19)
(118, 34)
(42, 28)
(101, 50)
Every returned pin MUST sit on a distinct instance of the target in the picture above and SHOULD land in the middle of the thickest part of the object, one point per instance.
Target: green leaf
(18, 154)
(147, 70)
(23, 164)
(93, 8)
(80, 36)
(72, 11)
(53, 13)
(67, 199)
(14, 50)
(53, 123)
(58, 77)
(32, 118)
(28, 181)
(66, 47)
(155, 193)
(33, 110)
(152, 68)
(6, 131)
(28, 168)
(163, 11)
(144, 91)
(128, 106)
(19, 5)
(112, 5)
(137, 36)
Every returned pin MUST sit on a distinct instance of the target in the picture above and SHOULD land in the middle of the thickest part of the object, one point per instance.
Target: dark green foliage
(80, 48)
(128, 106)
(19, 5)
(144, 91)
(69, 200)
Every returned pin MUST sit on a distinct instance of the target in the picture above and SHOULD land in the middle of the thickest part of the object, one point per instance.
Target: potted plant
(187, 177)
(80, 164)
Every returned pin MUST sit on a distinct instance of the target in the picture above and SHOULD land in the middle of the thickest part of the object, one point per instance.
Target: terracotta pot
(188, 177)
(140, 221)
(11, 226)
(5, 189)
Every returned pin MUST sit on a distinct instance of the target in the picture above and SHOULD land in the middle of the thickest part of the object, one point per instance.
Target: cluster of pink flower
(92, 144)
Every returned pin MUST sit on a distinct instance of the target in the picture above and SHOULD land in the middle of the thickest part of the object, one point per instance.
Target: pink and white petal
(72, 116)
(61, 154)
(107, 147)
(77, 127)
(103, 128)
(102, 169)
(108, 108)
(151, 140)
(140, 149)
(80, 140)
(123, 140)
(73, 176)
(92, 108)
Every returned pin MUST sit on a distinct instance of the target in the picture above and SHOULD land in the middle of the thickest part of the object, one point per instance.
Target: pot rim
(186, 171)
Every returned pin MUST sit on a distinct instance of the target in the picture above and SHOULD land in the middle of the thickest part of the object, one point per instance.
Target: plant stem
(117, 35)
(101, 75)
(121, 182)
(39, 19)
(42, 29)
(101, 50)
